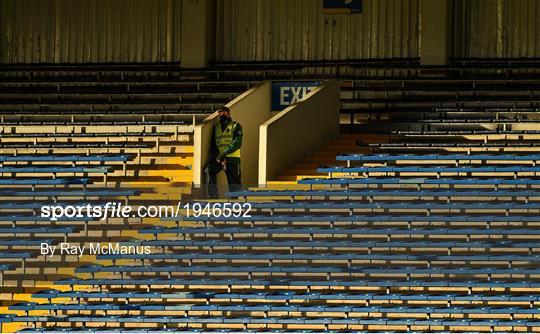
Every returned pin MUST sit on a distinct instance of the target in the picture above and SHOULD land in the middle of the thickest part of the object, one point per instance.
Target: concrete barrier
(298, 131)
(250, 109)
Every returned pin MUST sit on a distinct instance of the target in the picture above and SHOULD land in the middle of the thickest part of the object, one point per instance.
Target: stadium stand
(421, 216)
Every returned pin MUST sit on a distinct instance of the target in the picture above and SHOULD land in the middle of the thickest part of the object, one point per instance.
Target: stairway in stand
(344, 143)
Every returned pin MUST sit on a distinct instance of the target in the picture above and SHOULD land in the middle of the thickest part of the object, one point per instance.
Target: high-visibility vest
(225, 138)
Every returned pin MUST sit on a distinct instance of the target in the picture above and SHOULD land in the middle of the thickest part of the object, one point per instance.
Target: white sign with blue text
(285, 93)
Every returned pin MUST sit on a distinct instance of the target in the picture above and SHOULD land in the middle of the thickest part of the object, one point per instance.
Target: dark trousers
(232, 171)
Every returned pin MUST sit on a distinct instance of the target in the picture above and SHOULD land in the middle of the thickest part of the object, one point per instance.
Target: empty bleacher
(425, 218)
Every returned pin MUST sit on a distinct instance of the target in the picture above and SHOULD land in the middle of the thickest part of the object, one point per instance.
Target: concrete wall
(251, 109)
(298, 131)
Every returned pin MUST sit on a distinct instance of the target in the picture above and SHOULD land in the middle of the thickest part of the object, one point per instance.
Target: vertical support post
(197, 33)
(435, 31)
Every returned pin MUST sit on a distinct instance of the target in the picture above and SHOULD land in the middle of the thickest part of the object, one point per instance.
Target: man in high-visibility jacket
(225, 150)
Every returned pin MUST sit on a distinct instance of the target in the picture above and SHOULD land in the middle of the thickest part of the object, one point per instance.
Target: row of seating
(34, 158)
(291, 296)
(440, 84)
(471, 194)
(273, 308)
(274, 284)
(363, 322)
(444, 157)
(422, 181)
(311, 257)
(422, 245)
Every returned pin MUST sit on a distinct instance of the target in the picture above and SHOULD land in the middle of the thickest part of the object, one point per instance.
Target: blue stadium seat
(39, 170)
(376, 192)
(60, 181)
(64, 158)
(440, 181)
(437, 169)
(393, 157)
